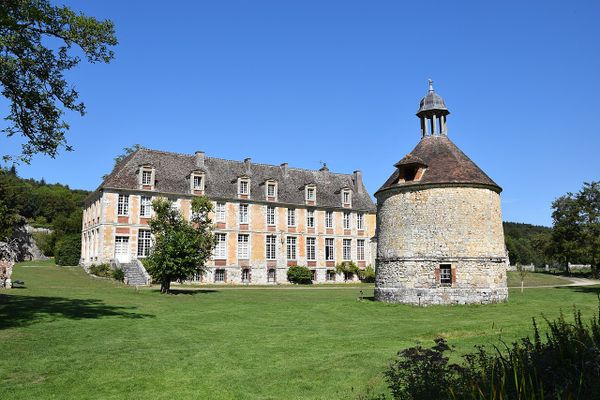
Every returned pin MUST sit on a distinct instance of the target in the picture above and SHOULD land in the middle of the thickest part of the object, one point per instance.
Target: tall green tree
(576, 227)
(181, 247)
(36, 48)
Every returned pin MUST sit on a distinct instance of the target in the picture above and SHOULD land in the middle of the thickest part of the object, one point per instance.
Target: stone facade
(439, 226)
(105, 229)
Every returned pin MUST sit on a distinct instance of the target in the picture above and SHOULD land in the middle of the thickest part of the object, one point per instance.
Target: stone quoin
(439, 223)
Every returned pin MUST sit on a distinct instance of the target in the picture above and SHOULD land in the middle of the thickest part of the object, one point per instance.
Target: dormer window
(147, 178)
(410, 169)
(244, 186)
(310, 193)
(271, 190)
(197, 182)
(346, 198)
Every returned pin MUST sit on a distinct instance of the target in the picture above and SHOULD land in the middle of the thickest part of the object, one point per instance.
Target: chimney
(284, 168)
(358, 182)
(200, 159)
(247, 164)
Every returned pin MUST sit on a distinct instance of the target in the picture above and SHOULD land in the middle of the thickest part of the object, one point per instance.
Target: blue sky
(340, 81)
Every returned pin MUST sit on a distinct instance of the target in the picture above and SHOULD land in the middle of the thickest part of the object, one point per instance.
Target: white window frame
(123, 205)
(271, 184)
(291, 217)
(360, 221)
(329, 254)
(244, 216)
(360, 249)
(243, 249)
(329, 219)
(347, 249)
(147, 172)
(271, 247)
(347, 197)
(246, 275)
(193, 178)
(220, 273)
(145, 206)
(220, 212)
(310, 193)
(311, 249)
(291, 247)
(144, 243)
(347, 220)
(244, 183)
(220, 251)
(310, 218)
(445, 274)
(271, 213)
(330, 275)
(273, 278)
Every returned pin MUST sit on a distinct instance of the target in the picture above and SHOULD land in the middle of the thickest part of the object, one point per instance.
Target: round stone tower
(439, 224)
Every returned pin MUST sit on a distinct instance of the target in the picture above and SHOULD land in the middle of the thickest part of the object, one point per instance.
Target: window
(360, 221)
(346, 197)
(329, 249)
(271, 189)
(311, 193)
(313, 275)
(146, 177)
(328, 219)
(244, 187)
(310, 218)
(346, 220)
(360, 249)
(243, 247)
(270, 215)
(270, 249)
(220, 212)
(271, 275)
(311, 248)
(123, 205)
(246, 275)
(330, 275)
(221, 246)
(291, 217)
(145, 206)
(219, 275)
(348, 276)
(197, 182)
(144, 243)
(446, 275)
(243, 213)
(347, 249)
(291, 247)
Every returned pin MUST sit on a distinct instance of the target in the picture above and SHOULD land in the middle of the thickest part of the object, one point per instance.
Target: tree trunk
(165, 286)
(521, 286)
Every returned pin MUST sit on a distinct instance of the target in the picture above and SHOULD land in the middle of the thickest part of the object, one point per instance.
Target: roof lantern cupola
(432, 113)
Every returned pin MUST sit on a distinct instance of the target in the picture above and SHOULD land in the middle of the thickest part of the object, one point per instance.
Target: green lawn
(69, 336)
(535, 279)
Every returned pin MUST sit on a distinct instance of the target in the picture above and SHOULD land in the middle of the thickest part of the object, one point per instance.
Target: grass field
(69, 336)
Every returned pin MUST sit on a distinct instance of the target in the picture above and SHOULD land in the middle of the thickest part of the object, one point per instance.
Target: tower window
(410, 173)
(445, 274)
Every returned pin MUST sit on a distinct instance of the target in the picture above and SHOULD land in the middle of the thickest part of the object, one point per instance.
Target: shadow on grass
(583, 289)
(190, 292)
(18, 311)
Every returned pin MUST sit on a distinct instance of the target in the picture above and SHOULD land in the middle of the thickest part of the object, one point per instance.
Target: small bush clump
(103, 270)
(299, 275)
(118, 275)
(367, 275)
(564, 366)
(68, 250)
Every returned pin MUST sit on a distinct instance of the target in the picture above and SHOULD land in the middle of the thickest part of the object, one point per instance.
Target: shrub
(299, 275)
(68, 250)
(565, 366)
(45, 242)
(118, 274)
(367, 275)
(103, 270)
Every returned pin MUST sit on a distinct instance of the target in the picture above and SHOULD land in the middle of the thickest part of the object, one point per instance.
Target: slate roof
(445, 164)
(172, 171)
(432, 102)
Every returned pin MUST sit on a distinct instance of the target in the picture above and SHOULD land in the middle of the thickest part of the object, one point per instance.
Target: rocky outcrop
(23, 244)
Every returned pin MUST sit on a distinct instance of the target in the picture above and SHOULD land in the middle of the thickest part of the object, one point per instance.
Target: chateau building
(267, 218)
(439, 224)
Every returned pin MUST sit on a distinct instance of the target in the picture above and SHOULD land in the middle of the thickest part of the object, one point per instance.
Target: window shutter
(437, 274)
(453, 271)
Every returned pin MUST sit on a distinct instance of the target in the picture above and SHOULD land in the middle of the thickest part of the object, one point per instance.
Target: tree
(127, 151)
(576, 227)
(522, 274)
(32, 72)
(299, 275)
(181, 248)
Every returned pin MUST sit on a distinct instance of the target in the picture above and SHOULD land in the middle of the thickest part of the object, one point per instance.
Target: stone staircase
(135, 273)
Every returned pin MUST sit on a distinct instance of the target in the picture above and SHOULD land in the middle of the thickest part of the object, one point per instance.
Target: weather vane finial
(430, 84)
